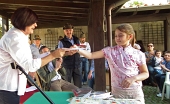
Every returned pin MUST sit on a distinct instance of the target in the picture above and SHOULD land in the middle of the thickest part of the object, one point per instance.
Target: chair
(167, 85)
(37, 81)
(37, 77)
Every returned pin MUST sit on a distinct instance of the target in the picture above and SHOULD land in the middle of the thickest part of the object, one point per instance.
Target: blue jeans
(151, 74)
(75, 74)
(7, 97)
(160, 79)
(158, 71)
(91, 81)
(84, 65)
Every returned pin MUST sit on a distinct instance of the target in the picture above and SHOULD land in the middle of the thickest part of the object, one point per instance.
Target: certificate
(70, 49)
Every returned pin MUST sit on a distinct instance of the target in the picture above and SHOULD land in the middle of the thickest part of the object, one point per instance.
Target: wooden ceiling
(55, 13)
(142, 14)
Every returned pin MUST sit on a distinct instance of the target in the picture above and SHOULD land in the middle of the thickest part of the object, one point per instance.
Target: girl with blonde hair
(127, 64)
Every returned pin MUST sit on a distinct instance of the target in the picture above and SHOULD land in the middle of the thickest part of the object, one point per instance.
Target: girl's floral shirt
(124, 63)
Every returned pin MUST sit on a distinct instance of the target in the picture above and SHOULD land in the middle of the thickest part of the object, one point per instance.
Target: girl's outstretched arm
(92, 55)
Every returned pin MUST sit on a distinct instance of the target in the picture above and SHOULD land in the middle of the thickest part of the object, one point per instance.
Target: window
(51, 39)
(77, 32)
(153, 32)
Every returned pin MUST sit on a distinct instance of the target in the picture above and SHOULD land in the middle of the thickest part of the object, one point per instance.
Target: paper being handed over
(70, 49)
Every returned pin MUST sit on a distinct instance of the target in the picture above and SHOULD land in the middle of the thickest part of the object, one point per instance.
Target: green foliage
(136, 3)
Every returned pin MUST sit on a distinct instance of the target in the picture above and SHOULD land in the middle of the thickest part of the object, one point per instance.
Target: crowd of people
(58, 68)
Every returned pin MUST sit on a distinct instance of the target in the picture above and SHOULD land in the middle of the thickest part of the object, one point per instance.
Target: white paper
(102, 96)
(87, 95)
(32, 88)
(69, 49)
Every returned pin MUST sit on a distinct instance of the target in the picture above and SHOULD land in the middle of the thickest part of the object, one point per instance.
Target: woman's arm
(55, 54)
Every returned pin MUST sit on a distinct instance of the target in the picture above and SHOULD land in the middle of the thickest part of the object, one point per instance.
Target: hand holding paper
(58, 53)
(73, 48)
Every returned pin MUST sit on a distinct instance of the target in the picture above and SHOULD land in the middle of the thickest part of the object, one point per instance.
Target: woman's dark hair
(23, 17)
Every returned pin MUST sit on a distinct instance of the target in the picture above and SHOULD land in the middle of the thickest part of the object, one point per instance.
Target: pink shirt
(124, 63)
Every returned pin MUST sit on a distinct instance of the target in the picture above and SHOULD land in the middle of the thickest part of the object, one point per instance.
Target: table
(56, 96)
(78, 100)
(24, 97)
(62, 98)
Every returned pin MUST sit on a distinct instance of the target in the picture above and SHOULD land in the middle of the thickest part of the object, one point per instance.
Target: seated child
(160, 78)
(156, 60)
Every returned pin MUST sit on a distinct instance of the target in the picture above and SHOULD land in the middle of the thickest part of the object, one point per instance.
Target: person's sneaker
(159, 95)
(85, 83)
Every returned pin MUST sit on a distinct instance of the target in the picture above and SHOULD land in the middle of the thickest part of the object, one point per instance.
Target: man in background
(59, 38)
(35, 46)
(52, 74)
(149, 54)
(71, 62)
(84, 61)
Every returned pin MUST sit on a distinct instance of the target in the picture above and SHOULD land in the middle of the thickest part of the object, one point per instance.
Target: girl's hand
(127, 82)
(70, 52)
(74, 51)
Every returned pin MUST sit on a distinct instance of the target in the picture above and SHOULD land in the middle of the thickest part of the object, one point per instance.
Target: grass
(151, 98)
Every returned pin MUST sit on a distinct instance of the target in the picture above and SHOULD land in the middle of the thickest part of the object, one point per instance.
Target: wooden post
(167, 33)
(96, 40)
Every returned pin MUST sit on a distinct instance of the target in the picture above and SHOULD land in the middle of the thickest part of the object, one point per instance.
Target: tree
(136, 3)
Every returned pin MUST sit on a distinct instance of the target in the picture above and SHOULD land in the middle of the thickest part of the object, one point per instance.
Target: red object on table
(24, 97)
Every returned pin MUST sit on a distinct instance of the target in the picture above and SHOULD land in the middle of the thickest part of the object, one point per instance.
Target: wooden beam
(139, 18)
(56, 24)
(157, 11)
(50, 10)
(49, 15)
(97, 26)
(45, 3)
(144, 8)
(59, 17)
(167, 33)
(75, 1)
(134, 13)
(3, 13)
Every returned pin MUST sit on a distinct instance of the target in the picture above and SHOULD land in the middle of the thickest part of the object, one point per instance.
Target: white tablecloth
(79, 100)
